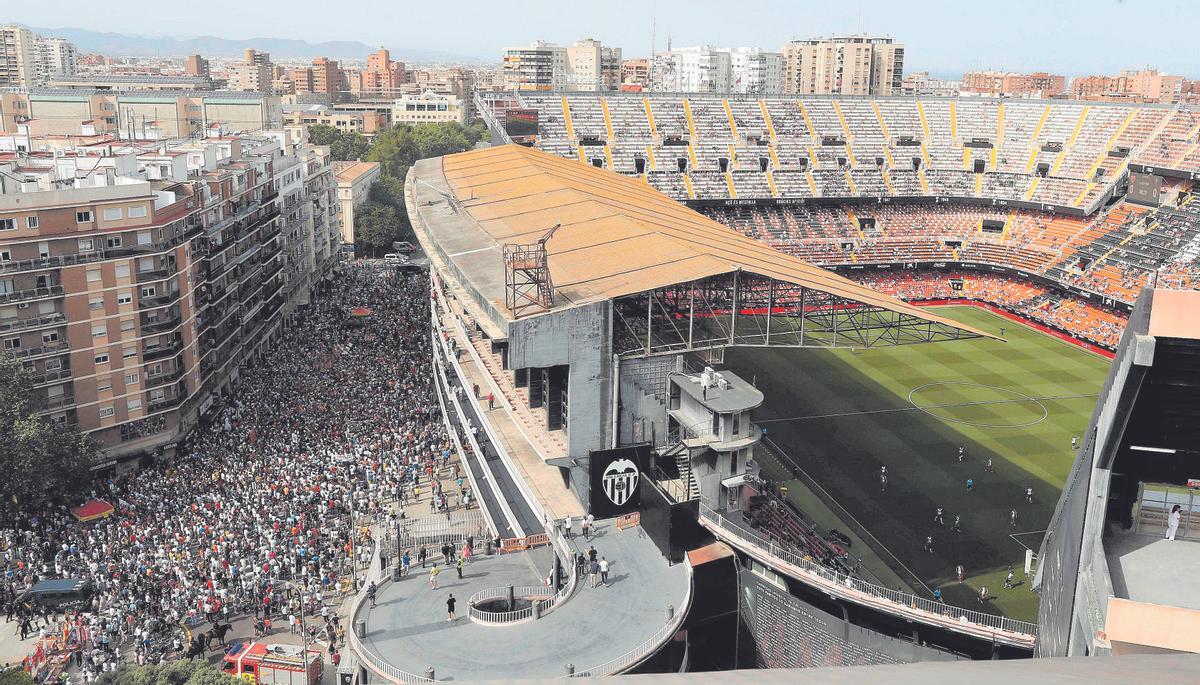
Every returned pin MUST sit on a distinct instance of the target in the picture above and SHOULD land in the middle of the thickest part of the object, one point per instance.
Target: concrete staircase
(549, 444)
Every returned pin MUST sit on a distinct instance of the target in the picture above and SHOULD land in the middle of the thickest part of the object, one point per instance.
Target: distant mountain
(125, 45)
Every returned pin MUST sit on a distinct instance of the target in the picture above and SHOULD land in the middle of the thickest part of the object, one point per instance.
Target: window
(114, 241)
(124, 297)
(129, 352)
(85, 245)
(12, 343)
(134, 404)
(84, 217)
(131, 378)
(7, 286)
(144, 238)
(103, 385)
(149, 291)
(50, 336)
(122, 271)
(8, 224)
(107, 412)
(93, 275)
(53, 364)
(5, 256)
(102, 358)
(99, 329)
(31, 222)
(113, 214)
(96, 302)
(154, 370)
(127, 325)
(737, 424)
(158, 395)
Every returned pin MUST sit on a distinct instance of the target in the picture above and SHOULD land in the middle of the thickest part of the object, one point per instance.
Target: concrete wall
(578, 338)
(643, 415)
(791, 633)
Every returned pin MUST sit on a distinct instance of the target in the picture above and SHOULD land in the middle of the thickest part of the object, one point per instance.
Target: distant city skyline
(1071, 37)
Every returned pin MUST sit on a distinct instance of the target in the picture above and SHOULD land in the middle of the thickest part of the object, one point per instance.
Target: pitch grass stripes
(842, 447)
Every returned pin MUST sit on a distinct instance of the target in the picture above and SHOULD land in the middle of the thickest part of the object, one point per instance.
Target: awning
(734, 482)
(92, 510)
(360, 311)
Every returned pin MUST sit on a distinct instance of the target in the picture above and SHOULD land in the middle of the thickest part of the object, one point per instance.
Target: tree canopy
(183, 672)
(40, 461)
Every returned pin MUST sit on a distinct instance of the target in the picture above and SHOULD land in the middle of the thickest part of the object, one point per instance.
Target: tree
(377, 226)
(39, 460)
(388, 190)
(183, 672)
(349, 147)
(321, 134)
(16, 676)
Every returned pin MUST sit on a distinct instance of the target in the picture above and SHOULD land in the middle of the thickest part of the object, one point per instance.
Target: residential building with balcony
(354, 181)
(134, 284)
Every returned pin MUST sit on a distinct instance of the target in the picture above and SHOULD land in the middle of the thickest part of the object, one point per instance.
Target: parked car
(404, 247)
(393, 259)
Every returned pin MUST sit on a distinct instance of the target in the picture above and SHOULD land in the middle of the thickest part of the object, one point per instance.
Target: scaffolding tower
(527, 276)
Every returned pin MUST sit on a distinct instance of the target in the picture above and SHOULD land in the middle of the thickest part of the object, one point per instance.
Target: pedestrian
(590, 521)
(491, 401)
(957, 525)
(594, 571)
(405, 562)
(937, 596)
(371, 593)
(568, 524)
(882, 482)
(1012, 518)
(458, 566)
(959, 573)
(450, 601)
(1008, 580)
(929, 544)
(603, 571)
(1074, 441)
(583, 525)
(1029, 495)
(421, 556)
(961, 454)
(937, 517)
(433, 575)
(988, 467)
(475, 390)
(1173, 522)
(983, 594)
(291, 623)
(970, 485)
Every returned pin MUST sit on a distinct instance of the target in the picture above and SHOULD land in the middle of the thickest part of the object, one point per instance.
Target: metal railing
(31, 293)
(863, 592)
(649, 646)
(454, 529)
(531, 592)
(369, 659)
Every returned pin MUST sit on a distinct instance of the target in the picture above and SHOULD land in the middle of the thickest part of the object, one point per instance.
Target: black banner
(616, 475)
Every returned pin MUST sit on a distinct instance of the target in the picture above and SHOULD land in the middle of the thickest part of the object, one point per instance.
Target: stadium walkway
(409, 626)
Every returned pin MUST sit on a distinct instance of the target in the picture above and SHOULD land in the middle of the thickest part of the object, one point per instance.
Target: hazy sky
(1067, 36)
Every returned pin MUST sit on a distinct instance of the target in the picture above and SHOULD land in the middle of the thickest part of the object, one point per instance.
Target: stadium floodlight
(1164, 450)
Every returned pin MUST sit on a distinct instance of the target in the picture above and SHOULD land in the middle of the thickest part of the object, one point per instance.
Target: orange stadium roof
(618, 236)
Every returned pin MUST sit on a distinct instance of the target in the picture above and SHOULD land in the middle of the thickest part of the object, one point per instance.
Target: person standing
(970, 485)
(929, 544)
(590, 521)
(421, 556)
(603, 563)
(458, 566)
(1012, 518)
(583, 524)
(594, 571)
(1029, 495)
(450, 601)
(568, 524)
(1173, 522)
(491, 401)
(433, 575)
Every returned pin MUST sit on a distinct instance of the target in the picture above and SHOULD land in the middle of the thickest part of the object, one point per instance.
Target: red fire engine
(258, 662)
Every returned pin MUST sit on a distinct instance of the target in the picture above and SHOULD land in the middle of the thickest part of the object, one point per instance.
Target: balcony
(48, 377)
(165, 403)
(162, 351)
(59, 402)
(11, 325)
(153, 381)
(158, 300)
(32, 294)
(41, 350)
(155, 274)
(49, 262)
(161, 325)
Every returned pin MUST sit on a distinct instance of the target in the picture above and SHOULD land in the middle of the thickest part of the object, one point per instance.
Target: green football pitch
(834, 417)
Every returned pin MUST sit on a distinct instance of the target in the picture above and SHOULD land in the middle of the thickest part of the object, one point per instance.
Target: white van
(393, 259)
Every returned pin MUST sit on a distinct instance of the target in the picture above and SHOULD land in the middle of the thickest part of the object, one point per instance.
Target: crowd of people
(1080, 318)
(263, 511)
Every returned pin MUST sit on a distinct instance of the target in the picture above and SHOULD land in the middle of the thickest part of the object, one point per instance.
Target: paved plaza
(408, 626)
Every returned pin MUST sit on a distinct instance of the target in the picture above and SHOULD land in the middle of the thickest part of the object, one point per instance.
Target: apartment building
(844, 65)
(636, 72)
(354, 181)
(254, 73)
(141, 82)
(708, 69)
(195, 65)
(28, 60)
(325, 78)
(382, 78)
(1146, 85)
(921, 83)
(364, 121)
(18, 57)
(754, 70)
(428, 108)
(1007, 84)
(144, 115)
(134, 284)
(586, 65)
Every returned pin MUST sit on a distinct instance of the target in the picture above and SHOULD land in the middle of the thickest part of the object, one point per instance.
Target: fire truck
(258, 662)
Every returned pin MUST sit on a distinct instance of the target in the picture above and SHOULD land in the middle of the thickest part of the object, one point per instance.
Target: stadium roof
(1173, 314)
(618, 236)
